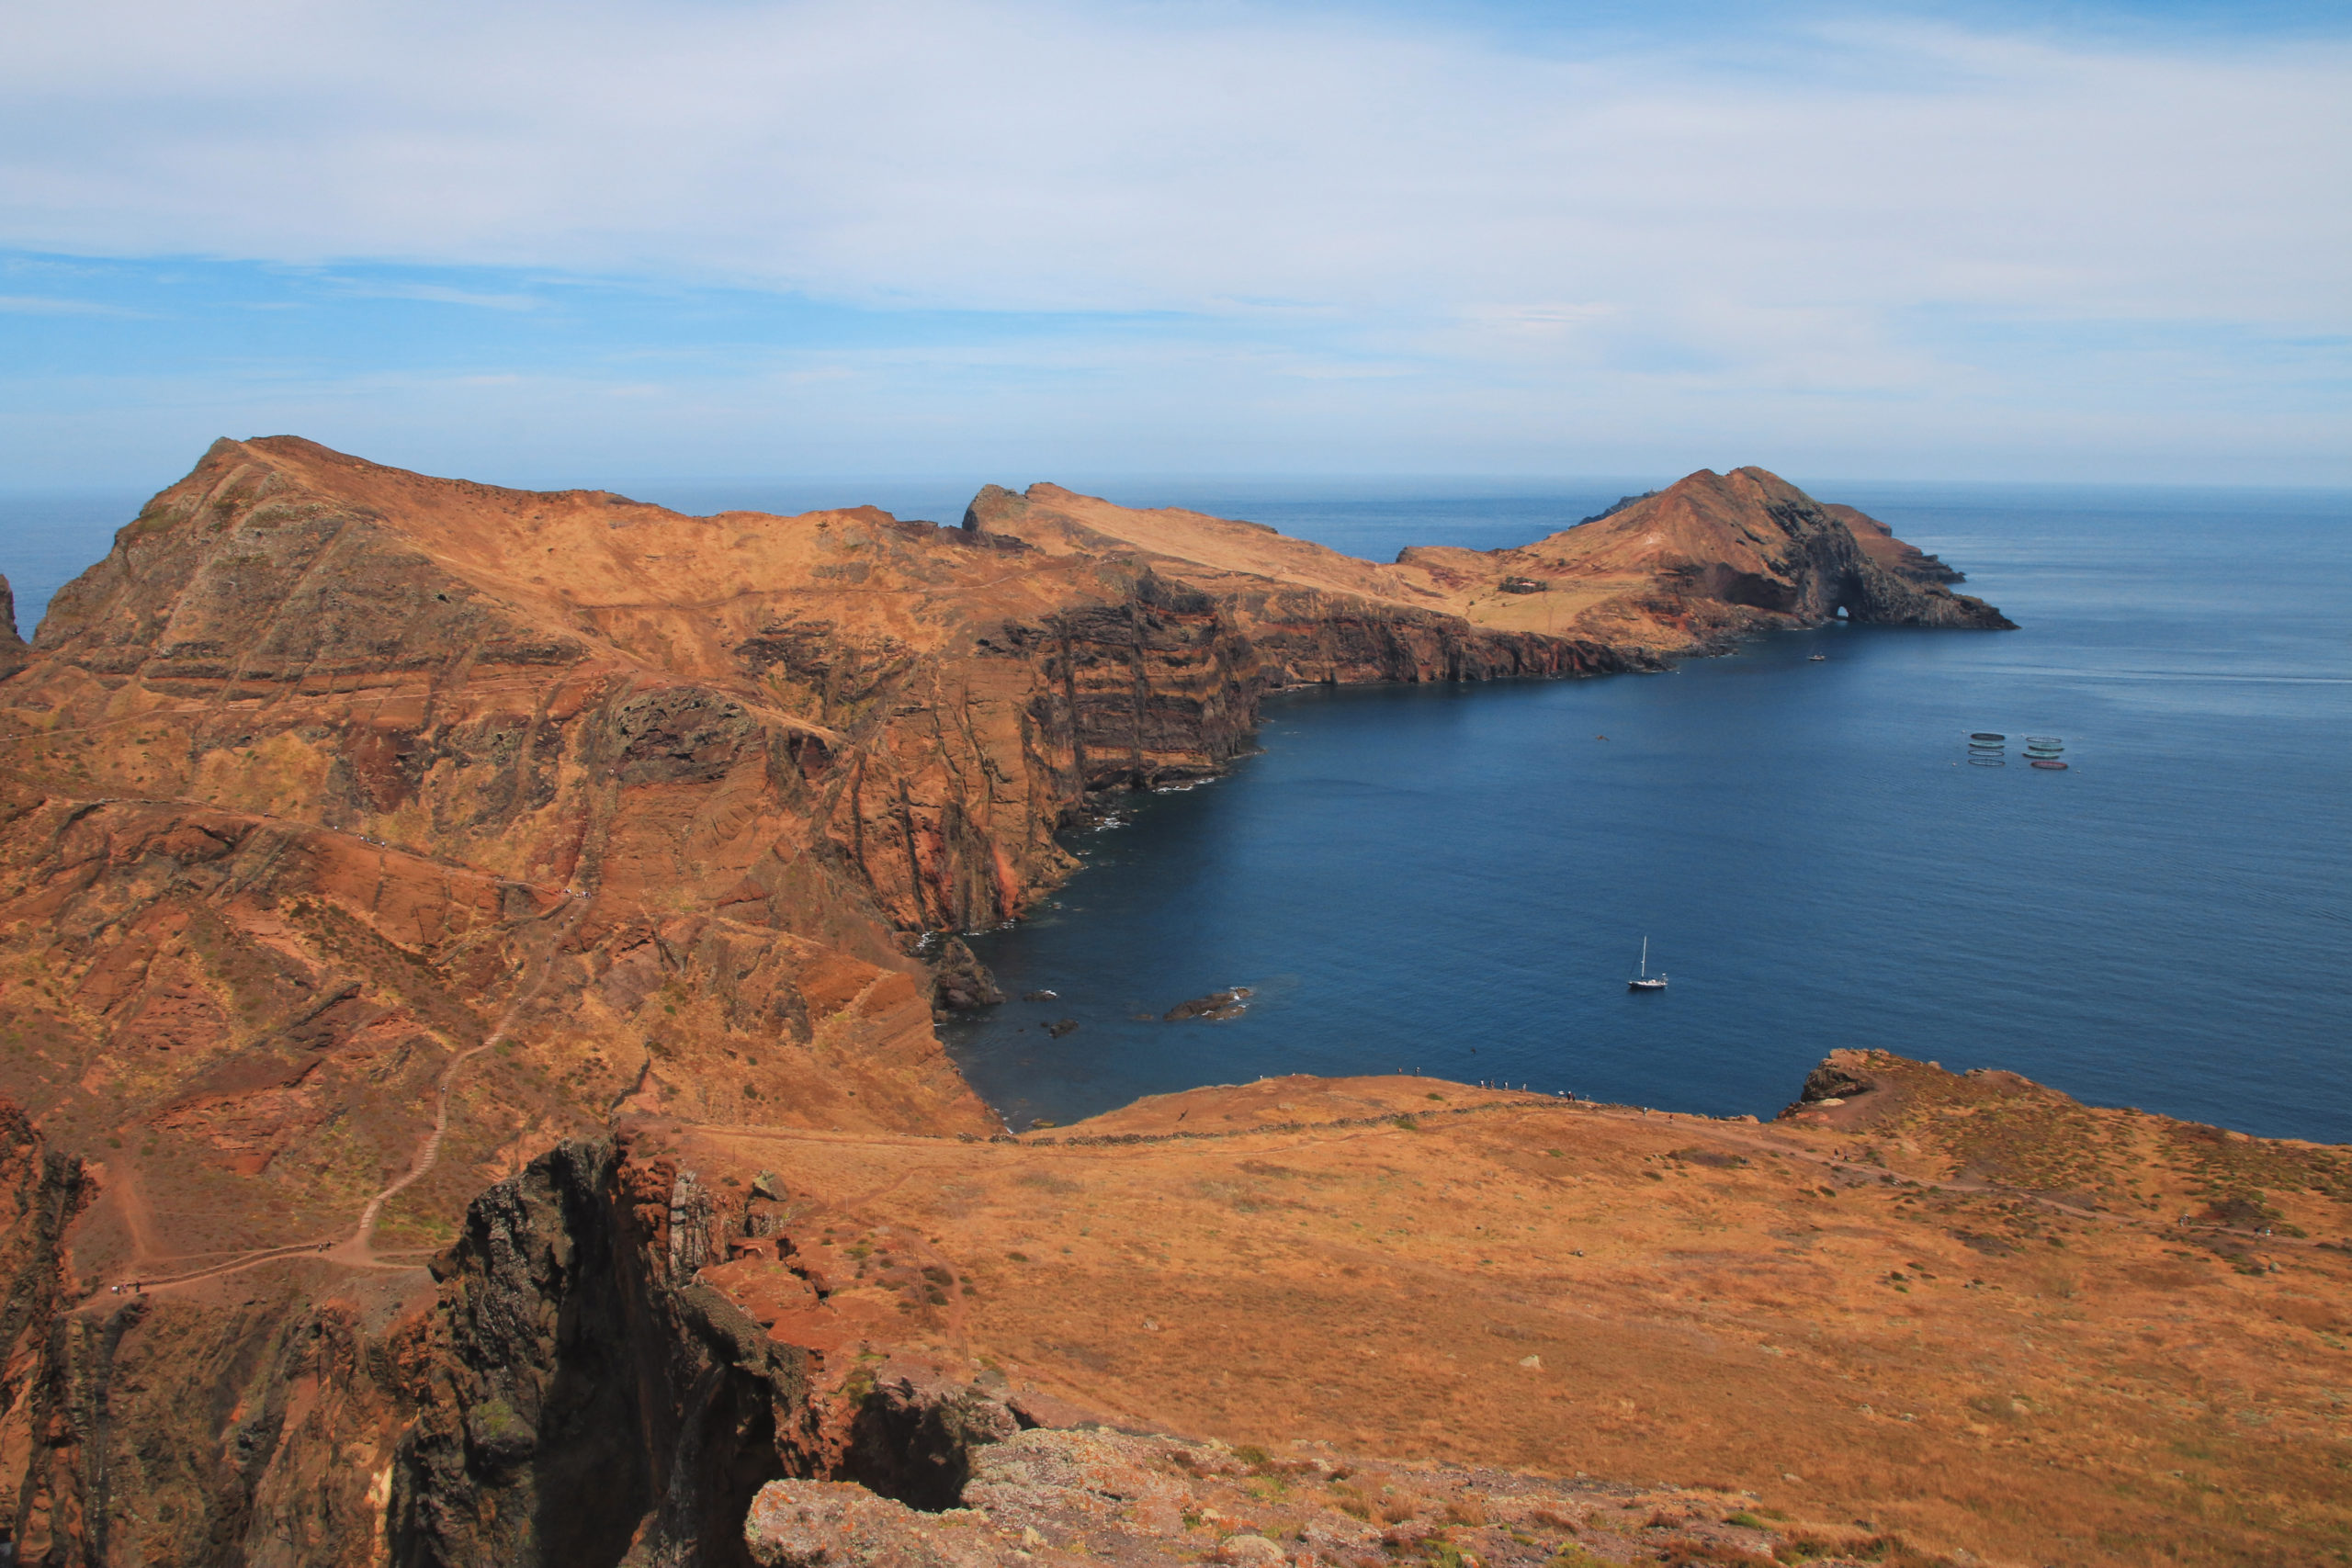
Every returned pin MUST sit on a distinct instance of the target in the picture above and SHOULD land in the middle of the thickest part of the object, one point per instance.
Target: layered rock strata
(1311, 613)
(13, 651)
(345, 803)
(371, 843)
(1688, 569)
(1878, 543)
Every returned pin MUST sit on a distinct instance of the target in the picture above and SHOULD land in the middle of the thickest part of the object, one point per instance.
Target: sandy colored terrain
(371, 843)
(1961, 1309)
(1712, 557)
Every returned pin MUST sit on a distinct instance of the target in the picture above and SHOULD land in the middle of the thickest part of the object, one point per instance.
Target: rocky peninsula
(469, 960)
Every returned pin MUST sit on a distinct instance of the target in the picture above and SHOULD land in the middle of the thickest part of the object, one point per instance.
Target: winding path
(357, 1250)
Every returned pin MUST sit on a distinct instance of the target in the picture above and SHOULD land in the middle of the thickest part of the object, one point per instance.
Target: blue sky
(614, 241)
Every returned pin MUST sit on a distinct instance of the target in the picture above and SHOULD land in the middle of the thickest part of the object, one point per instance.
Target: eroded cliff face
(12, 652)
(1708, 560)
(1310, 613)
(41, 1192)
(583, 1400)
(255, 1427)
(564, 1390)
(1905, 560)
(793, 720)
(1688, 569)
(371, 844)
(335, 792)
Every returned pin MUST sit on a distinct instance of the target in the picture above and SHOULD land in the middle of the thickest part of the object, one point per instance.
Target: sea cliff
(470, 958)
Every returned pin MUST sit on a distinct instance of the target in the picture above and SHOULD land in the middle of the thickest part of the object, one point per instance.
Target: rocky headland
(1687, 569)
(468, 968)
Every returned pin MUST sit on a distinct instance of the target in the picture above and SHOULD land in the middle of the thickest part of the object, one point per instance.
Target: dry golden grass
(1846, 1323)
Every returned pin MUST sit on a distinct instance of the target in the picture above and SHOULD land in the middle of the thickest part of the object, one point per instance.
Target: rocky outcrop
(1879, 544)
(1718, 556)
(13, 651)
(582, 1399)
(1232, 1002)
(587, 1389)
(572, 1394)
(960, 982)
(918, 1435)
(1834, 1080)
(1143, 1500)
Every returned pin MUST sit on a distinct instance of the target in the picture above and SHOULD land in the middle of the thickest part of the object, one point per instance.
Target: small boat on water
(1819, 658)
(1645, 981)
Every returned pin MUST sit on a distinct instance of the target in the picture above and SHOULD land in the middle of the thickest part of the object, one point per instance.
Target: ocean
(1457, 880)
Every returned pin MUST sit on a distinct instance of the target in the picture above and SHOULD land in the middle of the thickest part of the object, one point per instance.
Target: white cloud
(1028, 156)
(44, 305)
(1620, 226)
(437, 294)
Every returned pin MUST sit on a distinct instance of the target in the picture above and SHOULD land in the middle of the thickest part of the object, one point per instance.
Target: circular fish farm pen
(1989, 749)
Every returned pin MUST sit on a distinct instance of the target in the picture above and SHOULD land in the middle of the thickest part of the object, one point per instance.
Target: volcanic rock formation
(1685, 569)
(346, 805)
(371, 845)
(13, 651)
(1878, 543)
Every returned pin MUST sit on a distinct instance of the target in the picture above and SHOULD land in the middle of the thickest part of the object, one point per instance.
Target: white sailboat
(1646, 981)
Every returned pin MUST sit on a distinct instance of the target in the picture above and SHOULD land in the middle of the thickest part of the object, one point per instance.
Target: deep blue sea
(1457, 880)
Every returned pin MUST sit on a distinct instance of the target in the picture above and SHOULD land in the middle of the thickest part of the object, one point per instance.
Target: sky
(613, 240)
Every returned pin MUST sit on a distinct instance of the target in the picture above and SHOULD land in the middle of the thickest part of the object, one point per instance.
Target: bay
(1457, 880)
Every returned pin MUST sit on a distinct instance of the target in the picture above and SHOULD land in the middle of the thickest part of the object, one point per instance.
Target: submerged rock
(1229, 1003)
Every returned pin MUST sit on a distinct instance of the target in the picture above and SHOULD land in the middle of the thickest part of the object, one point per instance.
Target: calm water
(1457, 880)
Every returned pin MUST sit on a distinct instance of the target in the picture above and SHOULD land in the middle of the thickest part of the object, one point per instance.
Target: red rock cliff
(366, 835)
